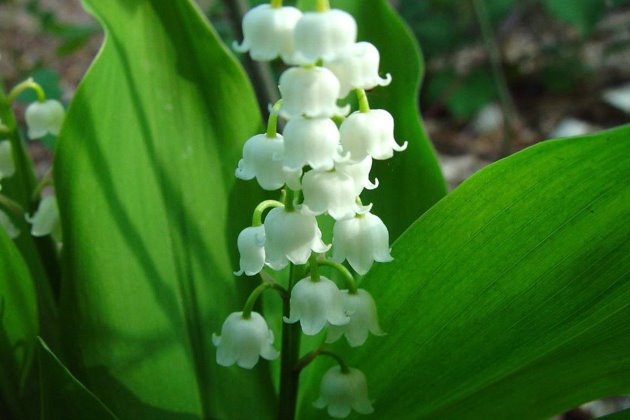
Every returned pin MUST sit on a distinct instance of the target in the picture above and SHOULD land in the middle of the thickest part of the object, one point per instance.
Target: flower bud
(268, 32)
(291, 236)
(7, 166)
(360, 174)
(251, 246)
(358, 69)
(262, 159)
(316, 304)
(361, 308)
(369, 134)
(309, 91)
(324, 35)
(244, 340)
(361, 240)
(44, 117)
(343, 392)
(311, 141)
(330, 191)
(45, 221)
(8, 226)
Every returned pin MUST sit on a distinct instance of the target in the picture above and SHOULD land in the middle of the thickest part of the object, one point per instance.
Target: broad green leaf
(620, 415)
(62, 395)
(145, 179)
(411, 181)
(510, 298)
(18, 325)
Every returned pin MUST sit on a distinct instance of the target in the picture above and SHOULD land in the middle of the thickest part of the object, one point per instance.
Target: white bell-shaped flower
(251, 246)
(360, 174)
(262, 159)
(45, 221)
(8, 226)
(7, 166)
(369, 134)
(324, 35)
(343, 392)
(358, 69)
(316, 304)
(43, 118)
(361, 308)
(310, 91)
(330, 191)
(361, 240)
(244, 340)
(311, 141)
(291, 236)
(268, 32)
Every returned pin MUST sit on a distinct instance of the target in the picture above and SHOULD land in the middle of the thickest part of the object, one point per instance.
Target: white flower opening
(361, 240)
(363, 319)
(251, 246)
(43, 118)
(360, 174)
(244, 340)
(45, 221)
(8, 226)
(343, 392)
(324, 35)
(332, 192)
(291, 236)
(316, 304)
(369, 134)
(310, 91)
(358, 69)
(311, 141)
(268, 32)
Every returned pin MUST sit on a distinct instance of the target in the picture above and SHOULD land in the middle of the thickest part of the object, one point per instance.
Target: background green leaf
(145, 179)
(511, 297)
(18, 327)
(63, 397)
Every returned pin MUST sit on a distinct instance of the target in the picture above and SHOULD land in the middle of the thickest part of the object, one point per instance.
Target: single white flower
(7, 166)
(330, 191)
(251, 246)
(324, 35)
(358, 69)
(360, 174)
(291, 236)
(244, 340)
(268, 32)
(8, 226)
(361, 308)
(311, 141)
(310, 91)
(369, 134)
(361, 240)
(44, 117)
(262, 159)
(316, 304)
(343, 392)
(45, 221)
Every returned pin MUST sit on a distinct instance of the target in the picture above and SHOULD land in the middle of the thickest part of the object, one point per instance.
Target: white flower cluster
(323, 167)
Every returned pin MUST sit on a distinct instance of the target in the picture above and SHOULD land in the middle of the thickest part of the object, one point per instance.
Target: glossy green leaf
(510, 298)
(145, 179)
(18, 325)
(63, 397)
(620, 415)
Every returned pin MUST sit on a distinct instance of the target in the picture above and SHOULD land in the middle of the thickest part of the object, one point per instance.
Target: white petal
(309, 91)
(44, 117)
(251, 243)
(8, 226)
(312, 141)
(369, 134)
(45, 221)
(329, 191)
(325, 35)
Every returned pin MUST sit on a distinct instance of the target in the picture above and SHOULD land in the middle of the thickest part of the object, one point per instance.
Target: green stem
(251, 300)
(27, 84)
(306, 360)
(258, 211)
(364, 105)
(312, 261)
(289, 198)
(13, 206)
(43, 183)
(274, 285)
(276, 4)
(348, 277)
(289, 377)
(322, 5)
(272, 122)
